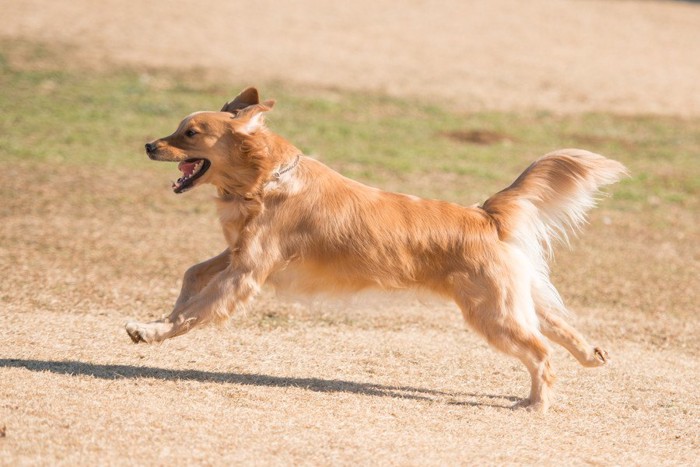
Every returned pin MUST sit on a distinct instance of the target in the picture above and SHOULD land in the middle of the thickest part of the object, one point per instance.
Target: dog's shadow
(114, 372)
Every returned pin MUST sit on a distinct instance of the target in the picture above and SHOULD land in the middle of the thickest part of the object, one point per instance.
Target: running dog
(292, 222)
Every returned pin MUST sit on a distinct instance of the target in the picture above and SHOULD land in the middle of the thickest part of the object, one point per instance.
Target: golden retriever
(291, 221)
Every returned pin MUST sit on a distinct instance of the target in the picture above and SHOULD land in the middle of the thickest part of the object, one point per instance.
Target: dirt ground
(394, 383)
(563, 56)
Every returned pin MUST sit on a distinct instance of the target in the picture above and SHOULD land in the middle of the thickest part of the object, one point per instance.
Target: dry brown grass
(398, 383)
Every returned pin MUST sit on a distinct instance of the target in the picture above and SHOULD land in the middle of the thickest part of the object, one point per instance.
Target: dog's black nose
(150, 148)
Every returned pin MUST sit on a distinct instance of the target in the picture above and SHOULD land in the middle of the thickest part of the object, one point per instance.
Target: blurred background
(621, 56)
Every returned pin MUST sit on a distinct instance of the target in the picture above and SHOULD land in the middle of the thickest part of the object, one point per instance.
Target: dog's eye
(190, 133)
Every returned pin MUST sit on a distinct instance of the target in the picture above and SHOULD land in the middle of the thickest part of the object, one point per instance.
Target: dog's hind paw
(526, 404)
(600, 356)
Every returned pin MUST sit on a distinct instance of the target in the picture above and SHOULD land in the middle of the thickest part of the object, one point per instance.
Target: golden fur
(293, 222)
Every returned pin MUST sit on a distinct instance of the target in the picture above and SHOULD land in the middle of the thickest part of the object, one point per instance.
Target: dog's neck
(277, 157)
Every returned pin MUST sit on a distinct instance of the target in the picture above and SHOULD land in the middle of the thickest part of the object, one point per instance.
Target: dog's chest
(232, 215)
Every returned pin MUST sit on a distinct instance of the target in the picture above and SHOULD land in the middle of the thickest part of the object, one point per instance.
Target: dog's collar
(284, 169)
(275, 178)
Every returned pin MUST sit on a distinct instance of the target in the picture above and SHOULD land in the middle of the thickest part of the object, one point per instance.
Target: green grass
(96, 118)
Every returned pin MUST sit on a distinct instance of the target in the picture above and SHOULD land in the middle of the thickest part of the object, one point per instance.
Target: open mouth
(191, 170)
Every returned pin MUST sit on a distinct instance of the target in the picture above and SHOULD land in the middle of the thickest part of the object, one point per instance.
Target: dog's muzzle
(151, 150)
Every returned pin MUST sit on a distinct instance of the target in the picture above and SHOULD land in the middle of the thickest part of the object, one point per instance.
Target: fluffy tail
(546, 202)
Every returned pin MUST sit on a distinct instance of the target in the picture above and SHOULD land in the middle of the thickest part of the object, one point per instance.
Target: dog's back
(340, 235)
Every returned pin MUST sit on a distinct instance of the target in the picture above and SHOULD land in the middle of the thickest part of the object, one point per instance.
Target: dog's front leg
(225, 292)
(199, 275)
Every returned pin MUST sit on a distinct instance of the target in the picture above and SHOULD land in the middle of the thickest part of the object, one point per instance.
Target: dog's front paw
(138, 332)
(149, 333)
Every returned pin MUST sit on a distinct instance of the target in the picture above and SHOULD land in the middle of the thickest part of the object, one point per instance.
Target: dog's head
(224, 148)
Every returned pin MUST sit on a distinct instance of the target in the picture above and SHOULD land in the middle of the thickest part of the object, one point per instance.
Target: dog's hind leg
(502, 318)
(226, 291)
(559, 331)
(199, 275)
(550, 310)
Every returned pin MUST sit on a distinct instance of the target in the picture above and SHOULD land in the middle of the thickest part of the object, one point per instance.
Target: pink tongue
(186, 167)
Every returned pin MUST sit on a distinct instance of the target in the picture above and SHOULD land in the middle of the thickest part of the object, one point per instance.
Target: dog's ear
(247, 97)
(255, 116)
